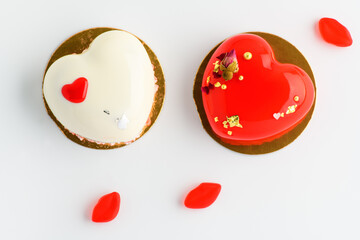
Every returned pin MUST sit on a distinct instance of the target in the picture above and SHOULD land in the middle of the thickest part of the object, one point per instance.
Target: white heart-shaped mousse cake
(107, 95)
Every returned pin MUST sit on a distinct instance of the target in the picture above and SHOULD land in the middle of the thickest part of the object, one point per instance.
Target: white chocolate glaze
(121, 89)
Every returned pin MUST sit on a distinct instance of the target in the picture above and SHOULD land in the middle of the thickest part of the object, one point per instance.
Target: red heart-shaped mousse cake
(249, 97)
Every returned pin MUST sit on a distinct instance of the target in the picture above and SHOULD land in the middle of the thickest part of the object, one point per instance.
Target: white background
(48, 184)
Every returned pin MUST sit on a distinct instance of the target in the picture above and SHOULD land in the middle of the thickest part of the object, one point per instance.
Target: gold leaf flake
(230, 133)
(234, 121)
(216, 66)
(208, 79)
(217, 84)
(225, 124)
(291, 109)
(216, 119)
(282, 115)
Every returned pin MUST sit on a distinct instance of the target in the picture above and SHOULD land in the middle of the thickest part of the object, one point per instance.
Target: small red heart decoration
(76, 91)
(202, 196)
(253, 98)
(334, 32)
(107, 208)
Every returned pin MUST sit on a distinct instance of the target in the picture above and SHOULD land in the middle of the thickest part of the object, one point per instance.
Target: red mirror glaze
(262, 98)
(76, 91)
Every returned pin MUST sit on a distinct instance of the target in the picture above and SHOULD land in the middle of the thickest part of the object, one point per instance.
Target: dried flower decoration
(229, 65)
(221, 56)
(216, 75)
(206, 89)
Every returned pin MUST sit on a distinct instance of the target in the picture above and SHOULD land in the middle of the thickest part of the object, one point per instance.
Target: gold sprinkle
(234, 121)
(217, 84)
(225, 124)
(247, 55)
(291, 109)
(282, 115)
(216, 66)
(230, 133)
(208, 80)
(296, 98)
(241, 77)
(216, 119)
(223, 86)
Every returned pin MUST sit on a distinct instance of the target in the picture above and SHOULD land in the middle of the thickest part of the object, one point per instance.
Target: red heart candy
(255, 99)
(76, 91)
(203, 195)
(335, 33)
(107, 208)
